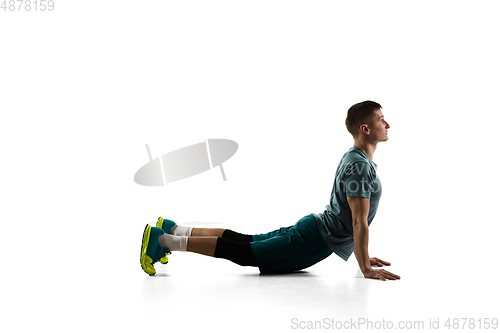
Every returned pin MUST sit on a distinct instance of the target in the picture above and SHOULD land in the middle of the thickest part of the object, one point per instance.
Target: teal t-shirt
(356, 175)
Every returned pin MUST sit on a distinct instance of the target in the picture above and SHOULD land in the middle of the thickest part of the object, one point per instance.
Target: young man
(342, 228)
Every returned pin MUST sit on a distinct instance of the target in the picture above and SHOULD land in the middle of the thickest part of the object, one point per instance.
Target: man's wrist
(365, 269)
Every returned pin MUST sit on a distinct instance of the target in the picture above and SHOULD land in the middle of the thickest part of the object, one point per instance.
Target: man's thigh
(271, 234)
(281, 247)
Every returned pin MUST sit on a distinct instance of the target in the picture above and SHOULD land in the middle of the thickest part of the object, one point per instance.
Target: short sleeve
(359, 180)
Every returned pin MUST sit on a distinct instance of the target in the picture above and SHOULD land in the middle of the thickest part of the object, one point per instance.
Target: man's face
(378, 127)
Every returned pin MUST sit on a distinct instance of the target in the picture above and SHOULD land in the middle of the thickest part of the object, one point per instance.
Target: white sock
(181, 230)
(174, 243)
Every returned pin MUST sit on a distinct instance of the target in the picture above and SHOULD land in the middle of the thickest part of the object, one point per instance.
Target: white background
(83, 88)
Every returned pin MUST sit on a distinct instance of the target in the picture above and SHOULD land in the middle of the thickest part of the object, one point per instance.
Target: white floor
(206, 292)
(100, 286)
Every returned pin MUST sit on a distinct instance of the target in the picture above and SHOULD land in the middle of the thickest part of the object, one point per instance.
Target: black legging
(235, 247)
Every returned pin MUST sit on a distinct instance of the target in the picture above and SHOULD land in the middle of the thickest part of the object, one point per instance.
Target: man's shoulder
(353, 159)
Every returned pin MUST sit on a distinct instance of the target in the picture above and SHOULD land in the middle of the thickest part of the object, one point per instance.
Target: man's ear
(364, 129)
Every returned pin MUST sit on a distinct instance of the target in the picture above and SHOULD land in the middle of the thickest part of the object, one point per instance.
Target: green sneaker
(151, 251)
(166, 225)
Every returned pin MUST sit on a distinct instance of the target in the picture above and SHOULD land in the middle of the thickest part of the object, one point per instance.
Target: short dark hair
(360, 113)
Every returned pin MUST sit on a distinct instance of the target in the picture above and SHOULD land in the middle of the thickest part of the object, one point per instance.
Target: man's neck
(366, 147)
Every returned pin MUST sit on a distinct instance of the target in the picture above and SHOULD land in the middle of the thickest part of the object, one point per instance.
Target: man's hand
(381, 274)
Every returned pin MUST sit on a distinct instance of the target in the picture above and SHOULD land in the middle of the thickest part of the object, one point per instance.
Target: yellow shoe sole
(164, 260)
(146, 261)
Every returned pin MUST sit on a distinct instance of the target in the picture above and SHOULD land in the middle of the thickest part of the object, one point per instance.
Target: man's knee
(237, 252)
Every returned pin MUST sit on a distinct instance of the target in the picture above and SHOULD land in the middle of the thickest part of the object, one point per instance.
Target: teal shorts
(290, 249)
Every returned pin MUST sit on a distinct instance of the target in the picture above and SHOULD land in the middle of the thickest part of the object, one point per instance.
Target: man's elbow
(359, 224)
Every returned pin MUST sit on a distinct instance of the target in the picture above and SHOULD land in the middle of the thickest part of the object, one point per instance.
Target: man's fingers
(383, 278)
(380, 261)
(383, 275)
(390, 275)
(384, 262)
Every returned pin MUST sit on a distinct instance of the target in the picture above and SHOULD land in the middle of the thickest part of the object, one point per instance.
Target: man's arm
(360, 208)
